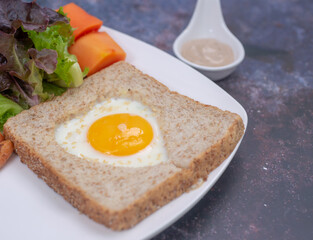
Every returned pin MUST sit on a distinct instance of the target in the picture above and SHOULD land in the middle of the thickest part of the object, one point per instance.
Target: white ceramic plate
(29, 209)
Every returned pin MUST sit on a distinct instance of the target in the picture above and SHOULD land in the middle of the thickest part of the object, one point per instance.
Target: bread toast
(197, 138)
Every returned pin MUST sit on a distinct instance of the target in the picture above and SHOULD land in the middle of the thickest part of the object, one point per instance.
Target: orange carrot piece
(6, 150)
(1, 137)
(81, 20)
(96, 50)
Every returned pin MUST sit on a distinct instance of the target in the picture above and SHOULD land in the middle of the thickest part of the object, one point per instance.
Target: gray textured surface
(267, 191)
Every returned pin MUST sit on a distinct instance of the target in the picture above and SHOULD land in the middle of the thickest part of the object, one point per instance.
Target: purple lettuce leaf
(46, 59)
(5, 81)
(15, 13)
(26, 91)
(55, 17)
(24, 72)
(14, 56)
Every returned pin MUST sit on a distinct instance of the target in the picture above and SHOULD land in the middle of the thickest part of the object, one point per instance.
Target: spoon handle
(206, 14)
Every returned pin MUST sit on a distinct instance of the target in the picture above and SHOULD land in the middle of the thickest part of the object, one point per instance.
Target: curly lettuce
(59, 37)
(34, 62)
(8, 108)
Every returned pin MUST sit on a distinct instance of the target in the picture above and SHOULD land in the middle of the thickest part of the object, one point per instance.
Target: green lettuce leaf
(58, 37)
(35, 80)
(53, 89)
(33, 52)
(8, 109)
(26, 77)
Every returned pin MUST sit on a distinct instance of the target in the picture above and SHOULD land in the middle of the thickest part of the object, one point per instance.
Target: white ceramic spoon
(207, 22)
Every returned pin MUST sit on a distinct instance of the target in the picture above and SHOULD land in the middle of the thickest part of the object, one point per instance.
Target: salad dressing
(208, 52)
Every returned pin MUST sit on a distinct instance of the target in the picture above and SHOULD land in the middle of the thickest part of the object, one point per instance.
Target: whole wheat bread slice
(197, 139)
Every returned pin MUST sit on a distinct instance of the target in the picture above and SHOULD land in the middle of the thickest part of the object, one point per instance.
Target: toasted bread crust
(207, 161)
(157, 196)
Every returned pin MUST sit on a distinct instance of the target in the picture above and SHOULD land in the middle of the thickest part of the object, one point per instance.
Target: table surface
(267, 191)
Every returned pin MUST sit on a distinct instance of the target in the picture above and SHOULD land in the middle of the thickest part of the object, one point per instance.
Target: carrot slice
(96, 50)
(81, 20)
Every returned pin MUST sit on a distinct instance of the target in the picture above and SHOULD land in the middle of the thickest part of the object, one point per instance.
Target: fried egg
(119, 132)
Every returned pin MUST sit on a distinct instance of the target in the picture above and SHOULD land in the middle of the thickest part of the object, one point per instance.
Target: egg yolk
(120, 134)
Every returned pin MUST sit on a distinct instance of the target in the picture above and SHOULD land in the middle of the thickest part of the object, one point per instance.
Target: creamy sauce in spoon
(208, 52)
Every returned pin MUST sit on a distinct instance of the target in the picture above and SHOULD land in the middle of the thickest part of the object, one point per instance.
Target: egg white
(72, 135)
